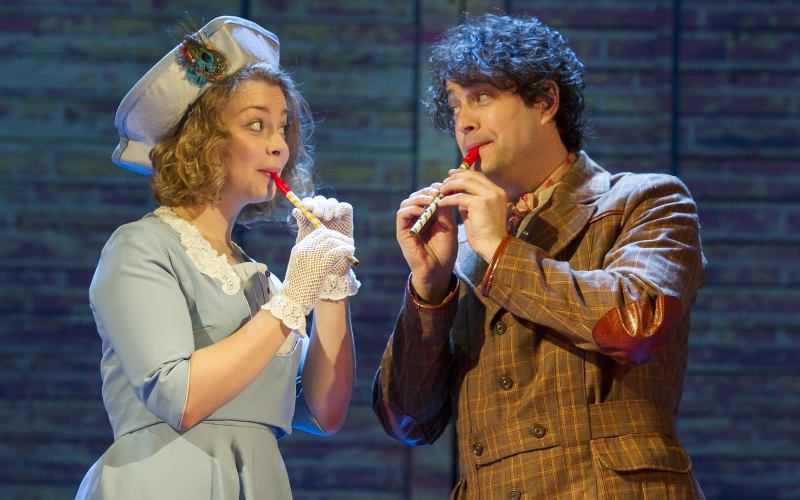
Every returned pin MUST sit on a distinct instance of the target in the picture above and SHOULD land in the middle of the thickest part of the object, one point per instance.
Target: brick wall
(718, 106)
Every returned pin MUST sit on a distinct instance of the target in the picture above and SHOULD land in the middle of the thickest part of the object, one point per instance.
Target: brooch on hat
(202, 62)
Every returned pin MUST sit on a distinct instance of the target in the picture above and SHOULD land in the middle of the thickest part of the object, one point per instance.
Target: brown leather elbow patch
(635, 332)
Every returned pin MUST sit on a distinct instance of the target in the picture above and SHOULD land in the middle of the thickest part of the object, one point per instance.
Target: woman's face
(256, 119)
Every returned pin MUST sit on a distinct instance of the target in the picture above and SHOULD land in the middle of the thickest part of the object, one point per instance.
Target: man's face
(502, 125)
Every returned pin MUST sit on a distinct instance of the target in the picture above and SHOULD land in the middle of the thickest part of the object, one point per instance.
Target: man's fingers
(410, 213)
(420, 200)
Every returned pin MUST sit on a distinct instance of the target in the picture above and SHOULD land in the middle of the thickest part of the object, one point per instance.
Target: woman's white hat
(160, 98)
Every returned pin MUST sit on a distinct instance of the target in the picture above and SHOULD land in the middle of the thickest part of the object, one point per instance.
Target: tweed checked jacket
(562, 361)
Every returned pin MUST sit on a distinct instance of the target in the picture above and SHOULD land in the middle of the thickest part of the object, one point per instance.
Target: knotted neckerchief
(527, 203)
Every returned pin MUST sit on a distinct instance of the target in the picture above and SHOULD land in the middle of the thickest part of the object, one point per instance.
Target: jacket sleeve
(626, 309)
(143, 317)
(411, 390)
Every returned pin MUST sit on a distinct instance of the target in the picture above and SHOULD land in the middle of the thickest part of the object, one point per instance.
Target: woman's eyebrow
(262, 108)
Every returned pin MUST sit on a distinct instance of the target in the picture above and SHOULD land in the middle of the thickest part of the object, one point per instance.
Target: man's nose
(465, 121)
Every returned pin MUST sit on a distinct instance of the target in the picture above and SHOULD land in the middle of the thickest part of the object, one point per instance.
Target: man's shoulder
(629, 184)
(644, 179)
(625, 183)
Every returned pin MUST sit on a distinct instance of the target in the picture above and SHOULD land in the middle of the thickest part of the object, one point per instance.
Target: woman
(202, 346)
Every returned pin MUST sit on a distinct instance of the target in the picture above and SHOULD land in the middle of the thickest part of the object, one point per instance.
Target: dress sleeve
(302, 418)
(142, 314)
(627, 308)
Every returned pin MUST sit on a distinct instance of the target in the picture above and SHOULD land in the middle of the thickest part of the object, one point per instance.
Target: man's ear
(549, 105)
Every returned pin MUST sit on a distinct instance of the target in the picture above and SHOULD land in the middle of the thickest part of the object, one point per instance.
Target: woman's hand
(337, 216)
(319, 254)
(333, 213)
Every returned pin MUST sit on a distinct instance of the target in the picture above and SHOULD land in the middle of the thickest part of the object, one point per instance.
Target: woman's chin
(264, 197)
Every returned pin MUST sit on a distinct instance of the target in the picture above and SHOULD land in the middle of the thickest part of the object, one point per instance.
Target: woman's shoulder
(142, 226)
(133, 249)
(148, 235)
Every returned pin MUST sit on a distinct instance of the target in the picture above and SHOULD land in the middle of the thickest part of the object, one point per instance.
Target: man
(552, 324)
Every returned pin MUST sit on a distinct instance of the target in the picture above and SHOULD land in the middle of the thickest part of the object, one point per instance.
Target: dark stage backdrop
(707, 90)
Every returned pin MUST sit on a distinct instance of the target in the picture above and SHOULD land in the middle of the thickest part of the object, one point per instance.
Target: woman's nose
(277, 147)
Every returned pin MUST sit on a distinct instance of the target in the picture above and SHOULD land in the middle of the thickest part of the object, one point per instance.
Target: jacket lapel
(569, 209)
(558, 222)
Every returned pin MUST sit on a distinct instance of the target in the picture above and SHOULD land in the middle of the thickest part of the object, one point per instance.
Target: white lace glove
(312, 260)
(336, 215)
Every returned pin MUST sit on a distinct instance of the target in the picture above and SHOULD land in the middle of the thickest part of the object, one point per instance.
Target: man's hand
(431, 254)
(483, 206)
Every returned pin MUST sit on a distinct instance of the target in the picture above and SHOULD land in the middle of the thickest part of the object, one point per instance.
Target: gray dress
(159, 293)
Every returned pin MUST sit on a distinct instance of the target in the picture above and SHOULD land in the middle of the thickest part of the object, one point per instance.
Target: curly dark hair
(517, 54)
(187, 162)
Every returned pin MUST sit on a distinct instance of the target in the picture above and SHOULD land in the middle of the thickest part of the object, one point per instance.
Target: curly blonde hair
(187, 162)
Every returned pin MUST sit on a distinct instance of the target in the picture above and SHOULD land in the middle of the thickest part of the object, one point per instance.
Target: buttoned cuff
(418, 303)
(486, 282)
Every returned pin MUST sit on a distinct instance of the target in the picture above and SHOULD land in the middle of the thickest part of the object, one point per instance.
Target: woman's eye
(483, 97)
(255, 125)
(282, 129)
(455, 109)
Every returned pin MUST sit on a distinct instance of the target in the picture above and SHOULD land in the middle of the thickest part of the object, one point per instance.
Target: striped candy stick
(313, 219)
(467, 163)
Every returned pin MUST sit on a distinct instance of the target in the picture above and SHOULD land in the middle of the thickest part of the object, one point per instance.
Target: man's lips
(479, 144)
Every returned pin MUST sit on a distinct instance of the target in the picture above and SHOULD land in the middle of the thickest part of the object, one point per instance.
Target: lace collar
(200, 251)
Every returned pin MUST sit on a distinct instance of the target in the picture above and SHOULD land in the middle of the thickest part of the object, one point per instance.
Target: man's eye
(455, 109)
(255, 125)
(482, 97)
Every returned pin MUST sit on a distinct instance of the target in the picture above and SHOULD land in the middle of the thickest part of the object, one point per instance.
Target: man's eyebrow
(472, 88)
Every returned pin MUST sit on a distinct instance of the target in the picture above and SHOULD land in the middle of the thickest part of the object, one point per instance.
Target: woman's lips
(266, 173)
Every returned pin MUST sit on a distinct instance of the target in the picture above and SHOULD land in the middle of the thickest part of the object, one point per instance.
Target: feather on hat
(160, 98)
